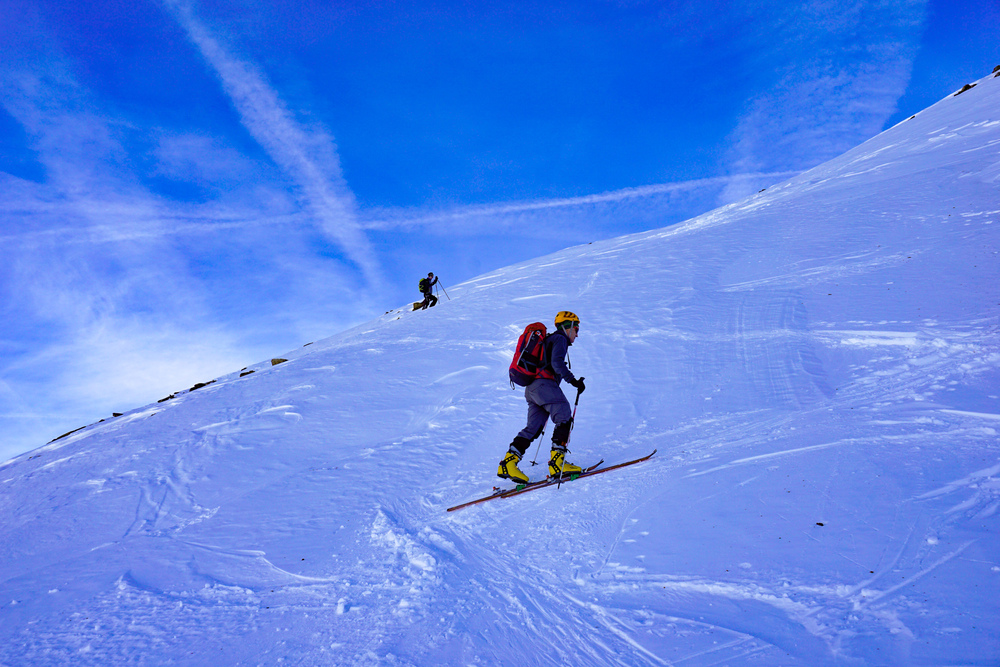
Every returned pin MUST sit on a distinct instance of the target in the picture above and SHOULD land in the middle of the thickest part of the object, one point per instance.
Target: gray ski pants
(545, 399)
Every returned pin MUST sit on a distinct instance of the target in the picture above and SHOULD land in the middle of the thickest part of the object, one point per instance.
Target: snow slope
(817, 365)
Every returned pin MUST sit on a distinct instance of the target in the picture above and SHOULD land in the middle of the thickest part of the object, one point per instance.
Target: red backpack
(529, 355)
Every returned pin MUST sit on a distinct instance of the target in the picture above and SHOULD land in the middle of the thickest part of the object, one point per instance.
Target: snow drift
(817, 366)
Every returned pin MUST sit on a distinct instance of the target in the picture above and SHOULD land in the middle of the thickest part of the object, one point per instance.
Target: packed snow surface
(817, 365)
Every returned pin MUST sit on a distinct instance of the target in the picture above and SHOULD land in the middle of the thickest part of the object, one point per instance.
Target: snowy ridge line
(340, 340)
(150, 409)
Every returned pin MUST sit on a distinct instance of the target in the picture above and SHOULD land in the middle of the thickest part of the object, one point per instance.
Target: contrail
(397, 219)
(309, 157)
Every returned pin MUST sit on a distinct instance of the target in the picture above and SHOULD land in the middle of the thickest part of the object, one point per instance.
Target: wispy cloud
(309, 156)
(465, 218)
(37, 215)
(113, 295)
(852, 63)
(130, 219)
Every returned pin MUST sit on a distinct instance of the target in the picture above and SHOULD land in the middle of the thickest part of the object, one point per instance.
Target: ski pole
(443, 289)
(534, 461)
(572, 419)
(572, 423)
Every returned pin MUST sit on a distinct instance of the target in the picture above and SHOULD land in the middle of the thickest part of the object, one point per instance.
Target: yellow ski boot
(559, 466)
(508, 469)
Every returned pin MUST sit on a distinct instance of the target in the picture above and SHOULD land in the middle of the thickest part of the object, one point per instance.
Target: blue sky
(187, 188)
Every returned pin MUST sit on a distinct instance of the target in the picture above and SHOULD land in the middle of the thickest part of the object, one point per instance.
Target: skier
(426, 286)
(546, 400)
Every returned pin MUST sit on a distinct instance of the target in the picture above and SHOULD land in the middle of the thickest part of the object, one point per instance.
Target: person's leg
(562, 416)
(549, 397)
(537, 416)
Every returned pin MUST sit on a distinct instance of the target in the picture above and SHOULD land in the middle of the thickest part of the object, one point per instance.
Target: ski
(520, 488)
(549, 481)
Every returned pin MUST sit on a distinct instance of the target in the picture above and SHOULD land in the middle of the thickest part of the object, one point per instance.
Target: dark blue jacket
(556, 346)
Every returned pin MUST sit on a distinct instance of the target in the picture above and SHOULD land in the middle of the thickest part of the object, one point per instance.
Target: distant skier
(546, 400)
(426, 288)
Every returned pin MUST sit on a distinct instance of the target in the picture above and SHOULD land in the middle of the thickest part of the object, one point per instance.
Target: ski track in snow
(817, 366)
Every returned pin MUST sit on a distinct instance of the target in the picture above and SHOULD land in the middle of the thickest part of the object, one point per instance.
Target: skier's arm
(558, 352)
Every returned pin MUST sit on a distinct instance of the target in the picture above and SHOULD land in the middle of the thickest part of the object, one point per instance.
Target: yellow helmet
(566, 320)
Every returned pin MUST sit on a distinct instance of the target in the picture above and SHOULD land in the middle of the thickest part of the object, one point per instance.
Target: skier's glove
(578, 383)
